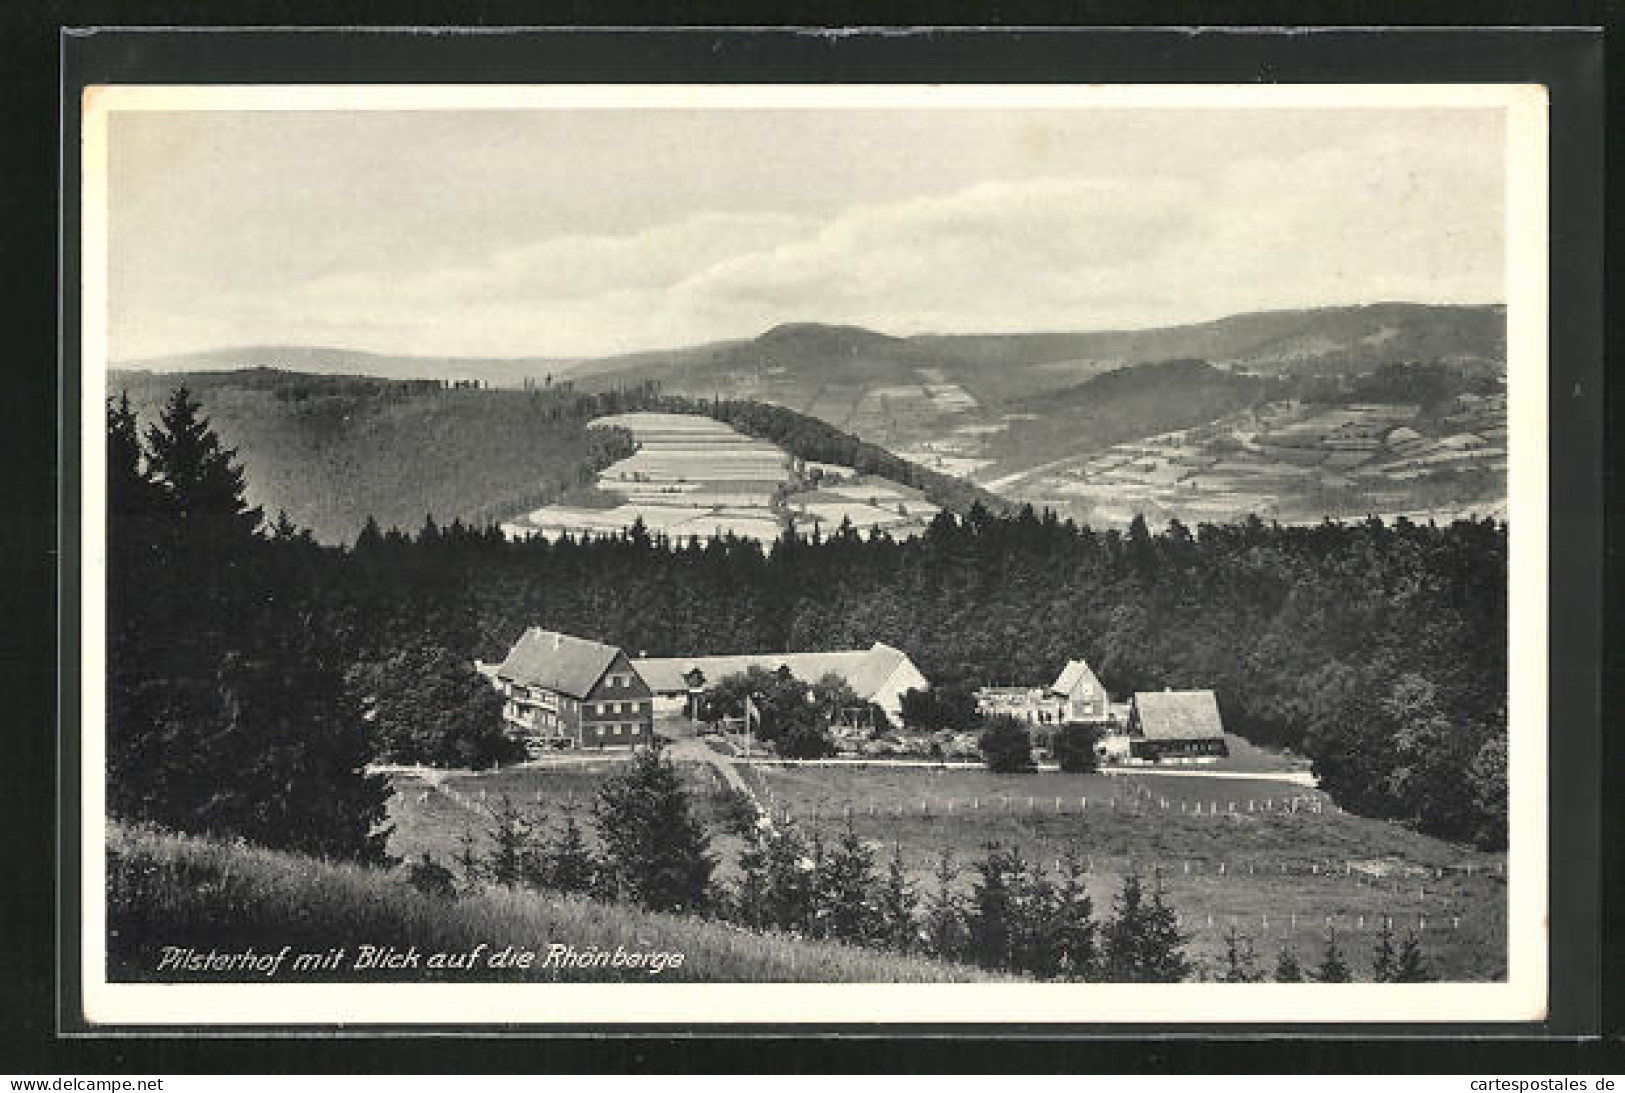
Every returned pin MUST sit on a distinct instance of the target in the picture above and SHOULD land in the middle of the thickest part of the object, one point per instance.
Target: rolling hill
(331, 450)
(992, 408)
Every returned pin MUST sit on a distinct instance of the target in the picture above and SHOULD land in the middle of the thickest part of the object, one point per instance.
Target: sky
(573, 233)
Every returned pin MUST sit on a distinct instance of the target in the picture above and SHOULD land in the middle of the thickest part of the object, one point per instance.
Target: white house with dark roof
(564, 691)
(1079, 695)
(879, 674)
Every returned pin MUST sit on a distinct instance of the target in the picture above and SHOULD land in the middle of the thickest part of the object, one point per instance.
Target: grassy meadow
(166, 889)
(1278, 875)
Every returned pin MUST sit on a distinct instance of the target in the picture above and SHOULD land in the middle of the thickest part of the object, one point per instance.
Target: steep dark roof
(1178, 715)
(558, 662)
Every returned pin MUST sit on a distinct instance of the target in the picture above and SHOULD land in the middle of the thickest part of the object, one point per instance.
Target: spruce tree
(571, 866)
(1411, 966)
(1165, 944)
(992, 930)
(286, 762)
(468, 860)
(1142, 941)
(848, 909)
(656, 854)
(1073, 934)
(1240, 961)
(204, 484)
(944, 924)
(1287, 968)
(510, 834)
(1382, 954)
(1332, 968)
(898, 900)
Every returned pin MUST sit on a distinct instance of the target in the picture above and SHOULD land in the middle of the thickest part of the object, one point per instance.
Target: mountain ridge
(1245, 338)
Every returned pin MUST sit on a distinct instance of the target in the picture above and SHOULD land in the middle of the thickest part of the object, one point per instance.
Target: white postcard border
(1523, 997)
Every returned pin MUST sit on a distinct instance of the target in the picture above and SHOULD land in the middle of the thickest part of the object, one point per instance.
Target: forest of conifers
(241, 652)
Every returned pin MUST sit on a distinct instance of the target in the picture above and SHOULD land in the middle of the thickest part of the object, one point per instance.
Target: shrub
(431, 878)
(1075, 748)
(1006, 746)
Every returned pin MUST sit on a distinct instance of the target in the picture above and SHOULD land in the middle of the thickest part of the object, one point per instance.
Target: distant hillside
(332, 451)
(1320, 341)
(328, 361)
(1124, 404)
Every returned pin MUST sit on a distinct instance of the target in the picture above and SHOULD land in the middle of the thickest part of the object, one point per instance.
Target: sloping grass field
(1280, 874)
(166, 889)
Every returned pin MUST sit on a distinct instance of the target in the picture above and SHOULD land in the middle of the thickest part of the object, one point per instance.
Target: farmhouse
(1079, 695)
(568, 692)
(879, 674)
(1175, 725)
(1075, 697)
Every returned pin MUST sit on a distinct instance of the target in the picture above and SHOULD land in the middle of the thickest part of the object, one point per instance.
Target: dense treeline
(1379, 650)
(227, 706)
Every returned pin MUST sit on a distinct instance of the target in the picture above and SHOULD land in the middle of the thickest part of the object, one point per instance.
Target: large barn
(568, 692)
(879, 674)
(1175, 725)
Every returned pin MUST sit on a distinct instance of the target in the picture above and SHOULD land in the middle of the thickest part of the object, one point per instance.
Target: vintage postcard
(693, 555)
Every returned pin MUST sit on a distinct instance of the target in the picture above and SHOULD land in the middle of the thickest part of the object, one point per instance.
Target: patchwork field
(1292, 462)
(692, 477)
(1271, 858)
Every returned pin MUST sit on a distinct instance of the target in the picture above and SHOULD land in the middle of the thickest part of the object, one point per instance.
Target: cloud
(1381, 219)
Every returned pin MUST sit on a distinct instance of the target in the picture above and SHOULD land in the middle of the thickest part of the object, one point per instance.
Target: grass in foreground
(177, 890)
(1277, 876)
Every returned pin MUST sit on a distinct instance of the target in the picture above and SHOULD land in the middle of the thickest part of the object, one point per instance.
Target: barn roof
(1178, 715)
(569, 665)
(864, 670)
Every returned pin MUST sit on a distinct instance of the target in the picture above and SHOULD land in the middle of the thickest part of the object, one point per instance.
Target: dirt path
(694, 751)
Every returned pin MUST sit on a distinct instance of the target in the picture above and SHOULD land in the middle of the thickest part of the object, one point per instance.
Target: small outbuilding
(1175, 725)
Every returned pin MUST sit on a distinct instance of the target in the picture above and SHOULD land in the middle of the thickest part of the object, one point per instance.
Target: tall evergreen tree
(571, 866)
(898, 900)
(847, 889)
(1332, 967)
(656, 854)
(944, 918)
(1142, 940)
(1382, 954)
(1411, 966)
(1240, 960)
(1287, 967)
